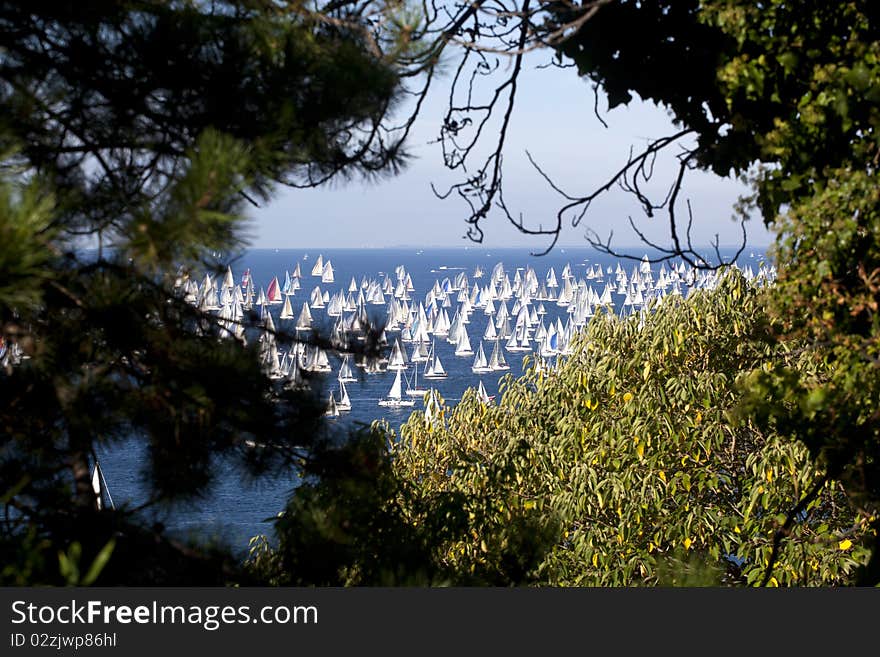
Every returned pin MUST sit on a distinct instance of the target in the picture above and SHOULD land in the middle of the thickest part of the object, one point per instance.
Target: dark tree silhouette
(144, 130)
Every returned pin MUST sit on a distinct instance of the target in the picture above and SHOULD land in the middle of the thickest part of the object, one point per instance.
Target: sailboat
(413, 390)
(344, 401)
(273, 294)
(484, 396)
(320, 362)
(519, 338)
(398, 357)
(463, 348)
(99, 485)
(318, 268)
(286, 309)
(345, 373)
(435, 369)
(394, 397)
(304, 321)
(419, 352)
(327, 273)
(496, 360)
(332, 409)
(287, 288)
(481, 365)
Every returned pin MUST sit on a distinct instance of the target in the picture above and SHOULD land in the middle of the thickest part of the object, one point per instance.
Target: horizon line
(479, 247)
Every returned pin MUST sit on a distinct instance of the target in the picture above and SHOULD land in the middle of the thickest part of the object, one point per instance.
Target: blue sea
(234, 510)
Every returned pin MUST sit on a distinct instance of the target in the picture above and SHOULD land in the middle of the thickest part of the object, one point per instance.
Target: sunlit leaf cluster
(628, 453)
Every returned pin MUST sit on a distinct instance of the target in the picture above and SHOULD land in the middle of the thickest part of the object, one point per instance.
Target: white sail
(316, 300)
(398, 357)
(286, 310)
(320, 362)
(229, 280)
(396, 389)
(99, 486)
(436, 371)
(496, 360)
(304, 321)
(480, 362)
(490, 333)
(419, 353)
(413, 389)
(327, 273)
(345, 373)
(271, 360)
(332, 409)
(318, 268)
(484, 396)
(463, 348)
(344, 401)
(433, 408)
(394, 397)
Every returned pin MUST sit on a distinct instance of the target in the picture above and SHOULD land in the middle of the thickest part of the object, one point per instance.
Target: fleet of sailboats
(516, 312)
(520, 312)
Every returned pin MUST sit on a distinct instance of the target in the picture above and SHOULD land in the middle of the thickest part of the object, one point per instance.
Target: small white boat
(463, 346)
(344, 401)
(394, 397)
(99, 486)
(435, 369)
(327, 273)
(286, 309)
(484, 396)
(496, 360)
(318, 268)
(413, 390)
(332, 410)
(304, 321)
(397, 361)
(481, 365)
(345, 373)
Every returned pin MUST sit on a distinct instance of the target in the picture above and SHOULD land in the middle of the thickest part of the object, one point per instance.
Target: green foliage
(356, 521)
(143, 129)
(789, 92)
(788, 84)
(803, 82)
(628, 454)
(204, 208)
(68, 564)
(827, 297)
(26, 234)
(633, 47)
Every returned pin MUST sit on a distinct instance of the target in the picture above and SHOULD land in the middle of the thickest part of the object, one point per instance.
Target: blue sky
(554, 120)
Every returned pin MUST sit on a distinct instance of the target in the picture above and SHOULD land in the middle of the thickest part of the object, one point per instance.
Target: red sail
(274, 292)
